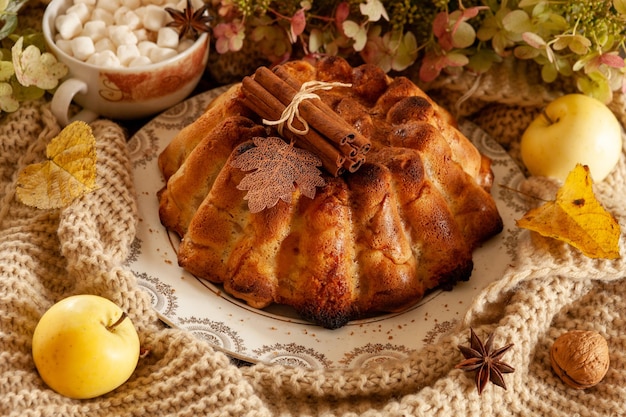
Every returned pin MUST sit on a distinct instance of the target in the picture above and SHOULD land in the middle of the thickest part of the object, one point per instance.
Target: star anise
(486, 362)
(189, 21)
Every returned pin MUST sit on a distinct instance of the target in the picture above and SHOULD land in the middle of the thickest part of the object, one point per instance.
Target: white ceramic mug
(122, 93)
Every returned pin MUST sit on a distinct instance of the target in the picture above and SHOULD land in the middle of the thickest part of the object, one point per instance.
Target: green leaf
(528, 3)
(5, 89)
(620, 6)
(500, 42)
(595, 85)
(534, 40)
(564, 67)
(580, 45)
(526, 52)
(549, 73)
(456, 59)
(409, 41)
(9, 10)
(517, 21)
(6, 70)
(8, 103)
(488, 29)
(10, 23)
(576, 43)
(582, 62)
(22, 93)
(482, 61)
(464, 36)
(406, 54)
(15, 6)
(556, 23)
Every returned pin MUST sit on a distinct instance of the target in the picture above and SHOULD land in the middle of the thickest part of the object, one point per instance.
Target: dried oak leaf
(276, 167)
(68, 173)
(576, 217)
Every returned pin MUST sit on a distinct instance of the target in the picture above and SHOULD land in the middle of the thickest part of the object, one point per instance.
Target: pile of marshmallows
(120, 33)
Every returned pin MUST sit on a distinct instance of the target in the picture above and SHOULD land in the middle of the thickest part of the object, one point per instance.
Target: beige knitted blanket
(48, 255)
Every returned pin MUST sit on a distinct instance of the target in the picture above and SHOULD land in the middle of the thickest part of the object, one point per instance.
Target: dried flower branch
(580, 39)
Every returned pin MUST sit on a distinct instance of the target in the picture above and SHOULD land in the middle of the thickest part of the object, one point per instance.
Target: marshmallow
(161, 54)
(154, 17)
(139, 61)
(65, 45)
(145, 47)
(68, 25)
(141, 35)
(106, 59)
(104, 15)
(109, 5)
(167, 38)
(197, 4)
(132, 4)
(81, 10)
(126, 17)
(105, 44)
(82, 47)
(184, 45)
(86, 2)
(95, 29)
(182, 4)
(126, 53)
(119, 13)
(122, 35)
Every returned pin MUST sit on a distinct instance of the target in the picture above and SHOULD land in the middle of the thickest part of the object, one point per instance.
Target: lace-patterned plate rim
(275, 335)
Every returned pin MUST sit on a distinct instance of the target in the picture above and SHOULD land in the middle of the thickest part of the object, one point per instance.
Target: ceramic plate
(276, 335)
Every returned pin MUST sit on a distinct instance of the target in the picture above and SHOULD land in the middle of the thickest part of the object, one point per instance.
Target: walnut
(580, 358)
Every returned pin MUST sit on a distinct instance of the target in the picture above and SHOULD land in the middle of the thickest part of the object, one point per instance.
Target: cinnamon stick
(362, 143)
(321, 119)
(329, 136)
(353, 164)
(269, 107)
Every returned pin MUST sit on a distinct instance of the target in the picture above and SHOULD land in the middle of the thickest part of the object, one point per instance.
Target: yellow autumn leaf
(576, 217)
(68, 173)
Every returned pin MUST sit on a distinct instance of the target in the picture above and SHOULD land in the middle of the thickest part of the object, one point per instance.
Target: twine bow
(292, 111)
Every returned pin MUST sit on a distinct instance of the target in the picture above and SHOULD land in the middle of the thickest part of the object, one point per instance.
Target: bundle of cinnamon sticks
(330, 137)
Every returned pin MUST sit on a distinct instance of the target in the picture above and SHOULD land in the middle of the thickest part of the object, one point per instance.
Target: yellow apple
(85, 346)
(572, 129)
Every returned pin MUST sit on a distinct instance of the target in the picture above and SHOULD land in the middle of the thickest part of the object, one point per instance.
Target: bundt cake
(370, 241)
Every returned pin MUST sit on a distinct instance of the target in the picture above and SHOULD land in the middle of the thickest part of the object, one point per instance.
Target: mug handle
(62, 98)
